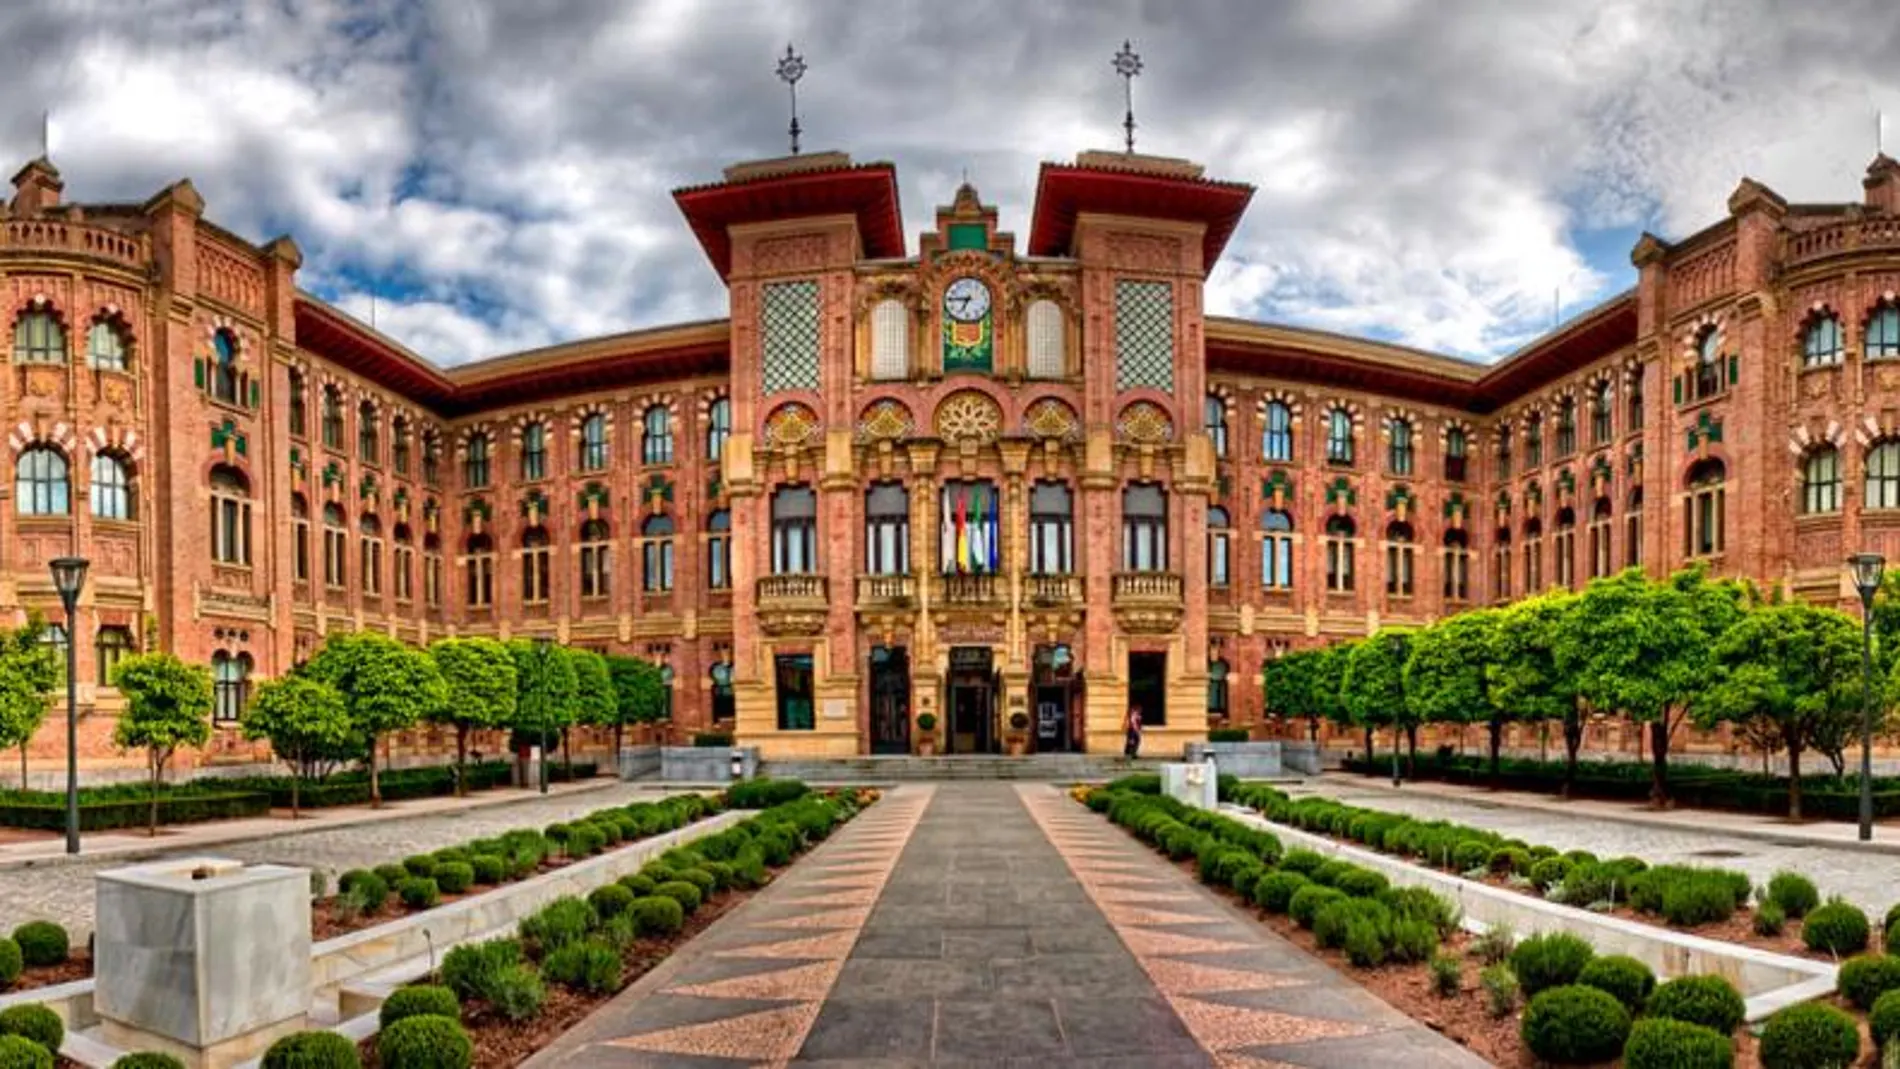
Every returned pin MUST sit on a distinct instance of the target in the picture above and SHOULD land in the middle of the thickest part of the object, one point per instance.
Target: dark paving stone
(1067, 976)
(872, 1028)
(998, 1028)
(1414, 1048)
(1096, 938)
(871, 978)
(1122, 1026)
(986, 943)
(898, 943)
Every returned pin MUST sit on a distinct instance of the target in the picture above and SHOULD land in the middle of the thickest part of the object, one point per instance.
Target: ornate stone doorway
(890, 700)
(972, 700)
(1054, 701)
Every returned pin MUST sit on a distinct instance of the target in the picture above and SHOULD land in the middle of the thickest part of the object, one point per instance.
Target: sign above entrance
(970, 658)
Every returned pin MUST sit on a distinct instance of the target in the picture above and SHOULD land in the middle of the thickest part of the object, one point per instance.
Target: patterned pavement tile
(768, 1034)
(800, 982)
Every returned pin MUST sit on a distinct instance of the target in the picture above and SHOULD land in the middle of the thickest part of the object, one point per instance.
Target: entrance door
(972, 701)
(1148, 687)
(1051, 685)
(890, 700)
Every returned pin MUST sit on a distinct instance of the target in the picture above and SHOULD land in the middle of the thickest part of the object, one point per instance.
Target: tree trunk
(1411, 751)
(23, 743)
(461, 760)
(152, 829)
(296, 779)
(1497, 744)
(1794, 780)
(1370, 770)
(375, 786)
(618, 729)
(1312, 729)
(1573, 741)
(567, 759)
(1659, 767)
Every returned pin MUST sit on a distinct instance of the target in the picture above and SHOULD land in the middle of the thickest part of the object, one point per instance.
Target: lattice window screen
(1046, 358)
(890, 340)
(788, 329)
(1144, 335)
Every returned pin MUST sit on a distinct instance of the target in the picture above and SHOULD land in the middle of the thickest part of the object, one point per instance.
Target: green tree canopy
(1445, 674)
(1288, 683)
(639, 693)
(303, 718)
(167, 705)
(596, 702)
(1373, 688)
(386, 685)
(1526, 682)
(30, 673)
(545, 688)
(479, 681)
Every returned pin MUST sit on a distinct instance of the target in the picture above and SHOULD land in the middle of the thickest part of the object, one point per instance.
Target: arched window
(480, 563)
(1399, 560)
(534, 452)
(1144, 528)
(722, 703)
(224, 368)
(1276, 433)
(1276, 550)
(1566, 548)
(718, 428)
(111, 488)
(1566, 425)
(594, 442)
(231, 686)
(1883, 476)
(431, 456)
(399, 444)
(332, 417)
(1533, 555)
(38, 338)
(1399, 447)
(1600, 408)
(1214, 421)
(1501, 565)
(1044, 329)
(54, 636)
(1883, 333)
(41, 484)
(299, 538)
(1457, 566)
(299, 415)
(432, 570)
(1633, 400)
(1338, 437)
(1504, 451)
(111, 646)
(890, 340)
(1600, 538)
(404, 554)
(887, 529)
(1051, 529)
(794, 530)
(105, 346)
(1821, 341)
(1633, 530)
(475, 463)
(1339, 554)
(370, 554)
(596, 558)
(719, 550)
(368, 448)
(656, 554)
(335, 546)
(1219, 548)
(535, 566)
(656, 441)
(1456, 447)
(1534, 440)
(1705, 524)
(1708, 364)
(1217, 688)
(1821, 480)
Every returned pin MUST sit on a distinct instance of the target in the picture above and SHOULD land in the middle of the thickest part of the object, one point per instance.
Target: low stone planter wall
(639, 762)
(1306, 758)
(1767, 981)
(705, 764)
(1248, 760)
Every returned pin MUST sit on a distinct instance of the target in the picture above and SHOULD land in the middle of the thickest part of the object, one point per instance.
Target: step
(889, 768)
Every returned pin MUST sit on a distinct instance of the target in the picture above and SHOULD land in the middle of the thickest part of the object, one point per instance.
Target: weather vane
(1128, 64)
(790, 69)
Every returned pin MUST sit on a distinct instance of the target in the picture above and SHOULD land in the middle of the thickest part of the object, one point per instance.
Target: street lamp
(1867, 569)
(69, 577)
(544, 648)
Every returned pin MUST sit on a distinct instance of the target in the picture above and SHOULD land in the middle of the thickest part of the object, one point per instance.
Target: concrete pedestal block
(204, 958)
(1191, 784)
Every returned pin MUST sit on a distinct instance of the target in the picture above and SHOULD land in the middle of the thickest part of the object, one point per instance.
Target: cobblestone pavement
(1871, 881)
(990, 924)
(64, 892)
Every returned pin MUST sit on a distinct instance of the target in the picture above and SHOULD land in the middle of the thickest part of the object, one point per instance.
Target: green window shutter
(1734, 369)
(198, 372)
(968, 236)
(1678, 382)
(257, 395)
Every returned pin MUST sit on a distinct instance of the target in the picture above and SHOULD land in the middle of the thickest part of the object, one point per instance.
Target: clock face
(966, 300)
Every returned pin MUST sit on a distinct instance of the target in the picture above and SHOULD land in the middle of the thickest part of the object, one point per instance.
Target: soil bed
(76, 967)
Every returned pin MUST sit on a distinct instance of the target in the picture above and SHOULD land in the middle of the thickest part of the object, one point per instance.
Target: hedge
(176, 806)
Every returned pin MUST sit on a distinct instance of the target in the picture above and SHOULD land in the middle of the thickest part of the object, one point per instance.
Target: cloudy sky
(497, 171)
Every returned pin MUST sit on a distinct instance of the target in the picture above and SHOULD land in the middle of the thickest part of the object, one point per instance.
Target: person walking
(1133, 747)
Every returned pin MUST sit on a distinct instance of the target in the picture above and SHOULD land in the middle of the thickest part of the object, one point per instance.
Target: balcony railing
(886, 591)
(792, 590)
(1042, 591)
(970, 589)
(1148, 587)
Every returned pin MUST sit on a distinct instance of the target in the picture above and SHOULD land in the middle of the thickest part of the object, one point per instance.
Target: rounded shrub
(1550, 871)
(588, 965)
(1305, 862)
(419, 892)
(311, 1050)
(34, 1022)
(1574, 1025)
(469, 969)
(1809, 1036)
(1709, 1001)
(1793, 892)
(1866, 977)
(10, 962)
(18, 1052)
(369, 890)
(1696, 898)
(1360, 882)
(1309, 900)
(586, 841)
(1471, 854)
(425, 1043)
(391, 875)
(700, 878)
(639, 883)
(1511, 861)
(419, 865)
(419, 1000)
(1553, 959)
(1769, 919)
(610, 900)
(686, 894)
(42, 943)
(489, 869)
(1838, 928)
(1660, 1043)
(1276, 888)
(657, 915)
(148, 1059)
(565, 920)
(516, 992)
(1884, 1022)
(1625, 978)
(1333, 919)
(454, 877)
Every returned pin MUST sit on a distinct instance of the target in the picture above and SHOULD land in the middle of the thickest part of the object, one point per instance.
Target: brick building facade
(1016, 490)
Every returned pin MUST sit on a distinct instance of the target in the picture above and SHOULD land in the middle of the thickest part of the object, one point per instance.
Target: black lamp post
(544, 648)
(1867, 569)
(69, 578)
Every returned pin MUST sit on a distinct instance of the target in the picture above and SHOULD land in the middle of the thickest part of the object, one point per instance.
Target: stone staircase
(1059, 768)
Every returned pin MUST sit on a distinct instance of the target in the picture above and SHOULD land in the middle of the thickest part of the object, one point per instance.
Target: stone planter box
(1767, 981)
(639, 762)
(1248, 760)
(705, 764)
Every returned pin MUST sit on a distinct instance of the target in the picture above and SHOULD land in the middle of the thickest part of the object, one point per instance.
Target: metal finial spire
(790, 69)
(1128, 64)
(46, 136)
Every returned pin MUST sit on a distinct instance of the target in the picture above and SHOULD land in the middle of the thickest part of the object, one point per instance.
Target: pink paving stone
(831, 945)
(862, 897)
(801, 982)
(1174, 976)
(831, 918)
(1117, 879)
(1119, 915)
(1142, 943)
(1243, 1061)
(1226, 1028)
(775, 1034)
(850, 883)
(1121, 896)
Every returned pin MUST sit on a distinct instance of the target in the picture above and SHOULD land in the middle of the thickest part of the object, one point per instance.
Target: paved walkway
(63, 892)
(993, 924)
(1686, 837)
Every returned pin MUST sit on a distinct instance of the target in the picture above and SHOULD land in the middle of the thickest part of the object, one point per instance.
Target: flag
(996, 530)
(963, 532)
(947, 547)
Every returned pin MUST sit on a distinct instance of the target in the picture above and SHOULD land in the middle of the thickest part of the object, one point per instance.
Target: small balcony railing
(1148, 588)
(972, 589)
(886, 591)
(792, 590)
(1048, 591)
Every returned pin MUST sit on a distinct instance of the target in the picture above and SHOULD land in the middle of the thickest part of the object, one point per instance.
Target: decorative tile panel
(788, 330)
(1144, 335)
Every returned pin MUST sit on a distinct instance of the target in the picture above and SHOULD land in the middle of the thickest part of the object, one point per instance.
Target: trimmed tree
(1445, 675)
(167, 705)
(1373, 688)
(1329, 677)
(478, 677)
(1288, 683)
(596, 704)
(639, 693)
(1525, 679)
(30, 673)
(303, 718)
(545, 689)
(1795, 665)
(386, 685)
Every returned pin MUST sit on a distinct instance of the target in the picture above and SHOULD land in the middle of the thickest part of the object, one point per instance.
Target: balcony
(886, 592)
(1148, 602)
(974, 591)
(791, 605)
(1052, 591)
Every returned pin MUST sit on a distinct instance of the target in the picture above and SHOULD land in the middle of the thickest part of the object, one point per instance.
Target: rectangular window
(718, 567)
(789, 336)
(1633, 540)
(481, 580)
(1398, 571)
(1338, 565)
(300, 550)
(405, 578)
(1144, 335)
(793, 674)
(432, 580)
(1276, 562)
